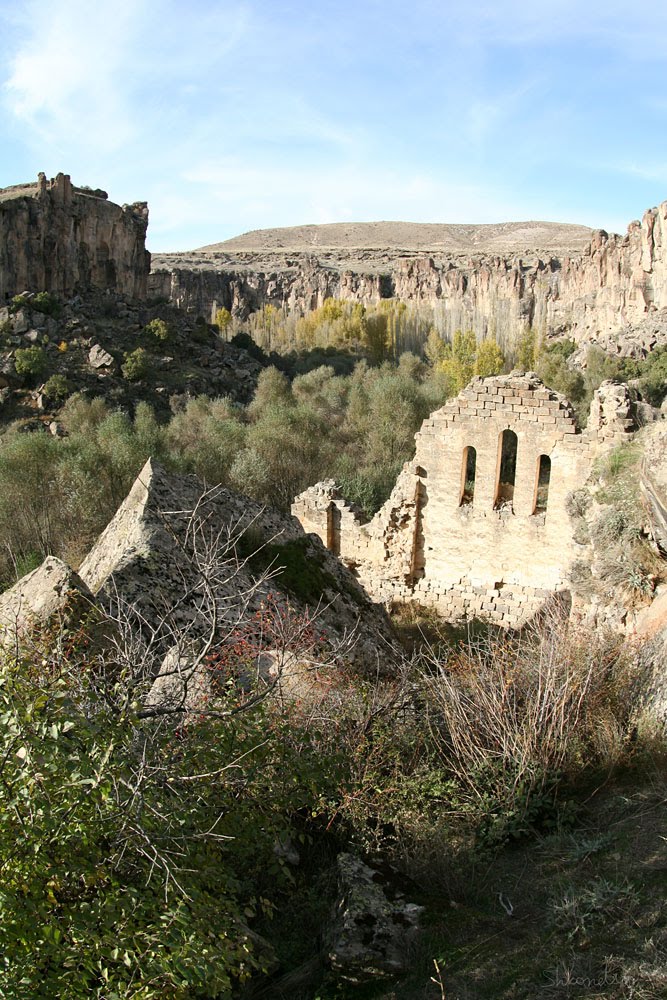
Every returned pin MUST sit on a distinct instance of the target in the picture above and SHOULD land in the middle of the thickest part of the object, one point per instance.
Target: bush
(158, 329)
(136, 365)
(201, 333)
(45, 303)
(518, 716)
(30, 361)
(57, 387)
(42, 302)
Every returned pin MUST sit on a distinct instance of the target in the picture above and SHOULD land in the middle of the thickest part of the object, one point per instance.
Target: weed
(577, 502)
(576, 911)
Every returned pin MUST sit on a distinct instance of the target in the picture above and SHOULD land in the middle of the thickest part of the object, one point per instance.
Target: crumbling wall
(61, 239)
(495, 542)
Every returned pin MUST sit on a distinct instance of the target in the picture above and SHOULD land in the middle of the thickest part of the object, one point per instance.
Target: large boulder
(374, 927)
(53, 594)
(185, 562)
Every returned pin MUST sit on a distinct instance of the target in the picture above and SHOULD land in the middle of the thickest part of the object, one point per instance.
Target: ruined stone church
(477, 523)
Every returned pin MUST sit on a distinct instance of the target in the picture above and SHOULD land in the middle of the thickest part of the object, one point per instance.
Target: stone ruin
(477, 523)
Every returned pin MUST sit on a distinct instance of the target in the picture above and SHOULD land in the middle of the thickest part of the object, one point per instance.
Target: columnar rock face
(613, 284)
(58, 238)
(477, 524)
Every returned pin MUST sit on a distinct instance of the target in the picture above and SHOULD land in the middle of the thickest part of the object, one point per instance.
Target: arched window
(468, 467)
(542, 484)
(507, 448)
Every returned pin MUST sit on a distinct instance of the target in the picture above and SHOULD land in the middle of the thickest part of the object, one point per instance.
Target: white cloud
(65, 79)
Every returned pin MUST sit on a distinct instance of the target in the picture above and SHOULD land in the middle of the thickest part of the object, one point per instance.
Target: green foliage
(56, 495)
(202, 333)
(459, 361)
(435, 348)
(489, 359)
(30, 361)
(45, 303)
(135, 365)
(527, 350)
(563, 348)
(206, 437)
(41, 302)
(553, 369)
(57, 387)
(223, 320)
(159, 330)
(653, 376)
(101, 895)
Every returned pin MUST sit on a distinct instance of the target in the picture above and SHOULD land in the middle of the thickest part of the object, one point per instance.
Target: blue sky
(228, 116)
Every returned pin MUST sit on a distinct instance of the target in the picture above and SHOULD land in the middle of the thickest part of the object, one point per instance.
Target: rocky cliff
(593, 286)
(57, 238)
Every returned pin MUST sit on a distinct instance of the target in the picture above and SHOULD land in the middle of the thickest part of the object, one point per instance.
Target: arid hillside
(503, 237)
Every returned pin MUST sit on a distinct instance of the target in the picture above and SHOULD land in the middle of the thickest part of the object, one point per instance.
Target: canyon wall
(57, 238)
(615, 285)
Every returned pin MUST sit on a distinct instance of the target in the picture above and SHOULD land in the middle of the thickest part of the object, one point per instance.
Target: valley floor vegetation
(138, 850)
(345, 405)
(139, 847)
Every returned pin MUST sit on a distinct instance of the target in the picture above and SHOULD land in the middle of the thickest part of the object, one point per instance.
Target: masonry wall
(493, 554)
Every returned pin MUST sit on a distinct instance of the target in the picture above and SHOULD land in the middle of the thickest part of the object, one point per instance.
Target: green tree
(223, 320)
(458, 360)
(528, 349)
(489, 359)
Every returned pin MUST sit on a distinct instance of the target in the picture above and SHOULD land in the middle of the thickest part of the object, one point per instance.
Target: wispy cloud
(65, 79)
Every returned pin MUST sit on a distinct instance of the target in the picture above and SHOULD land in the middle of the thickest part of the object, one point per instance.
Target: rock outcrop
(179, 560)
(58, 238)
(51, 594)
(598, 293)
(373, 928)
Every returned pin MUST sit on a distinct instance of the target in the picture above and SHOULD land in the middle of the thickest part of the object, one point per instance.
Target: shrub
(518, 715)
(42, 302)
(201, 333)
(136, 365)
(158, 329)
(30, 361)
(45, 303)
(577, 502)
(57, 387)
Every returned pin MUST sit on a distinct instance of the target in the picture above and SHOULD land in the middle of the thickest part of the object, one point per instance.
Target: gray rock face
(184, 560)
(57, 238)
(372, 933)
(50, 593)
(598, 290)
